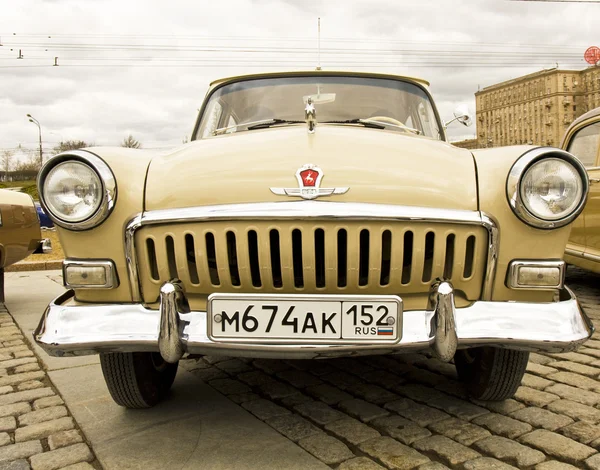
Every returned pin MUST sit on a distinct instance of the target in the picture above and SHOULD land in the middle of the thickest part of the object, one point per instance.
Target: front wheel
(489, 373)
(137, 380)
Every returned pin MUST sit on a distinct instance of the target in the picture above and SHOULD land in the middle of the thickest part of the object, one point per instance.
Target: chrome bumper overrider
(71, 330)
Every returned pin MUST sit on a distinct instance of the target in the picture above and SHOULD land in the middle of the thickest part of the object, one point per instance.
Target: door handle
(594, 180)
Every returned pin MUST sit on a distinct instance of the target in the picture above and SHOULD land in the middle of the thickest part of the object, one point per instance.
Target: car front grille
(334, 256)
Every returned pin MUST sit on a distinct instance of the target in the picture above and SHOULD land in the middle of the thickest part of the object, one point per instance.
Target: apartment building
(536, 108)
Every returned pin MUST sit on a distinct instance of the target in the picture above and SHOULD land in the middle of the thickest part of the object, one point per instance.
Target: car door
(585, 235)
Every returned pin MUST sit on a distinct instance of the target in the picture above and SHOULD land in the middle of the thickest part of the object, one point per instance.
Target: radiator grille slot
(253, 258)
(232, 258)
(342, 253)
(428, 259)
(190, 252)
(275, 258)
(297, 257)
(341, 256)
(469, 257)
(386, 257)
(152, 259)
(211, 258)
(171, 257)
(320, 257)
(363, 267)
(449, 261)
(407, 259)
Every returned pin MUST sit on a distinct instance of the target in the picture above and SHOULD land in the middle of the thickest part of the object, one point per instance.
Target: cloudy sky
(142, 68)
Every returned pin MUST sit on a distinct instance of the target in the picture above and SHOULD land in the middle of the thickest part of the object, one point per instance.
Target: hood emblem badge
(309, 181)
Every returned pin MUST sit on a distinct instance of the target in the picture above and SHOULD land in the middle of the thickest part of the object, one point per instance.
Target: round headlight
(547, 188)
(551, 189)
(77, 189)
(72, 191)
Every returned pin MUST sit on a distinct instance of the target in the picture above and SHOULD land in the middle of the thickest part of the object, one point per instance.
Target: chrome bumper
(72, 330)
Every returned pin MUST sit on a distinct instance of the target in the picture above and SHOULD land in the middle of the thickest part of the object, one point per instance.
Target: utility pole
(37, 123)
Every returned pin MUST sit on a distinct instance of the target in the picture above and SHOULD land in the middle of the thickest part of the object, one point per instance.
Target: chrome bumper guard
(172, 330)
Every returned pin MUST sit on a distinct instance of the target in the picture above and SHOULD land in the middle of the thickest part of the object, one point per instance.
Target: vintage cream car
(313, 215)
(582, 139)
(19, 231)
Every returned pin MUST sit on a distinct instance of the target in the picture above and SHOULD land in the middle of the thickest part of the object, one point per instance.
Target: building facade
(536, 108)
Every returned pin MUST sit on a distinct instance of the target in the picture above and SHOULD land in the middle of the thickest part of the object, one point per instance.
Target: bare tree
(131, 143)
(63, 146)
(6, 159)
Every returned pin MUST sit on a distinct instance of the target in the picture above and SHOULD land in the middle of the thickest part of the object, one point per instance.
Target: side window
(231, 123)
(585, 143)
(212, 117)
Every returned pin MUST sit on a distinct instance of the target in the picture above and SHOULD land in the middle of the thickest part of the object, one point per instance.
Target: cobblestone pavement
(409, 411)
(36, 429)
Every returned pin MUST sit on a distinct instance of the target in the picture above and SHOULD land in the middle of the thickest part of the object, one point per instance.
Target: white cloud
(158, 104)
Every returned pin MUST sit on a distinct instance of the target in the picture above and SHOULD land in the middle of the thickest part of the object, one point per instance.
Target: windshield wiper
(263, 123)
(375, 124)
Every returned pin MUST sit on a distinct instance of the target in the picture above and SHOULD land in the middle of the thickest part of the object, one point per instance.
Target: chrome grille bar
(313, 211)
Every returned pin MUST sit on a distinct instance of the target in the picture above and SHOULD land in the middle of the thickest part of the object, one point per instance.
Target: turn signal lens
(532, 276)
(85, 276)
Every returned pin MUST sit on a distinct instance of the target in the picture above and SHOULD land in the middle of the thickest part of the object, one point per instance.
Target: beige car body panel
(230, 169)
(19, 229)
(583, 248)
(450, 183)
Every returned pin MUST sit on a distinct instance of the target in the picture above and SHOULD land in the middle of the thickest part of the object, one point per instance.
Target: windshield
(400, 104)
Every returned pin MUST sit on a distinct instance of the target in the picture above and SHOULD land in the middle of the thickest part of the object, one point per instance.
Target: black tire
(491, 374)
(137, 380)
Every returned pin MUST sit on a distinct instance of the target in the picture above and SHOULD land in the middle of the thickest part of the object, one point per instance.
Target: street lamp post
(37, 123)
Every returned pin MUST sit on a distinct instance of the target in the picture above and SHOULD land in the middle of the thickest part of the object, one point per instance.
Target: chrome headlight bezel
(515, 177)
(107, 179)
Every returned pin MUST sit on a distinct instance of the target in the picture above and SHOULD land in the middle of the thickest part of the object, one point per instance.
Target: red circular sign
(592, 55)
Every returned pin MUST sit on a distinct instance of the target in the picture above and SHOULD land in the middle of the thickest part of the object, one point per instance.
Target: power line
(278, 40)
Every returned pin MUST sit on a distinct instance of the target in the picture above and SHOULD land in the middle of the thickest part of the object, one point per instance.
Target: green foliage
(32, 191)
(131, 143)
(63, 146)
(27, 187)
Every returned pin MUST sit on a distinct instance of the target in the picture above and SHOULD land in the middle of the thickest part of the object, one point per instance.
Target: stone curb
(34, 266)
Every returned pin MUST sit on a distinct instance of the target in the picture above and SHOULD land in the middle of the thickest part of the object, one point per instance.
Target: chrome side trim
(573, 252)
(513, 186)
(68, 329)
(442, 304)
(106, 176)
(310, 210)
(584, 255)
(108, 266)
(513, 273)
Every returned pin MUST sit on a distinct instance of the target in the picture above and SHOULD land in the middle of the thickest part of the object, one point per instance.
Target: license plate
(304, 318)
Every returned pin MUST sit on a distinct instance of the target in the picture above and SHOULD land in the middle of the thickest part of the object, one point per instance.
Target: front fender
(517, 239)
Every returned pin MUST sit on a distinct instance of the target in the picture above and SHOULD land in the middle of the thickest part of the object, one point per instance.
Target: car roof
(297, 73)
(590, 114)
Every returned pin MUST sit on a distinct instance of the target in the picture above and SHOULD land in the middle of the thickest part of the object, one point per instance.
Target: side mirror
(462, 115)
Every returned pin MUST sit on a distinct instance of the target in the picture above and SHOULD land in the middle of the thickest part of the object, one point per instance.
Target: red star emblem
(309, 177)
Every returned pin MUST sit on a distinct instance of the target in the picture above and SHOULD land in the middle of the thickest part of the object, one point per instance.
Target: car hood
(377, 166)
